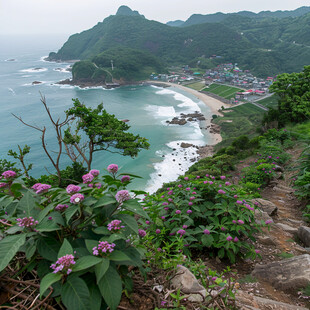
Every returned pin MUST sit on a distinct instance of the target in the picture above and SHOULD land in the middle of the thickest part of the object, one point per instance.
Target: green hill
(266, 46)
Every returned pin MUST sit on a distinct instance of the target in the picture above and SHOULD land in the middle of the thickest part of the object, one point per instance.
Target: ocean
(146, 107)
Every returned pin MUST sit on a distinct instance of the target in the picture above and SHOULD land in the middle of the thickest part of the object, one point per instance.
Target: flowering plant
(78, 237)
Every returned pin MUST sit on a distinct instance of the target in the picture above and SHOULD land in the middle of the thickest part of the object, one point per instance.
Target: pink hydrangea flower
(142, 233)
(222, 177)
(236, 239)
(72, 189)
(9, 174)
(206, 231)
(42, 188)
(220, 191)
(181, 232)
(77, 198)
(104, 247)
(189, 211)
(229, 238)
(115, 225)
(64, 264)
(94, 172)
(125, 178)
(240, 222)
(61, 207)
(27, 222)
(3, 185)
(157, 231)
(87, 178)
(178, 212)
(113, 168)
(122, 196)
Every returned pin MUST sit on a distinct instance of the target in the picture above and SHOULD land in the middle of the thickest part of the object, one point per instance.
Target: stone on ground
(304, 235)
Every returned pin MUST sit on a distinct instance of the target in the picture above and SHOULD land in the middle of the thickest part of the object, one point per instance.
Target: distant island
(267, 43)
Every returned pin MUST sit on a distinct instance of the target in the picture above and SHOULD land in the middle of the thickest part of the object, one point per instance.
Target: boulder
(186, 145)
(261, 216)
(36, 82)
(303, 234)
(188, 284)
(244, 301)
(266, 206)
(266, 240)
(287, 228)
(292, 273)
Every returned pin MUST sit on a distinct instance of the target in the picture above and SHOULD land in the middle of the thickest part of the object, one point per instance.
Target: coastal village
(244, 86)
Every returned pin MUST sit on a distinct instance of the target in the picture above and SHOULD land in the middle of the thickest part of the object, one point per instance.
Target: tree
(294, 93)
(103, 132)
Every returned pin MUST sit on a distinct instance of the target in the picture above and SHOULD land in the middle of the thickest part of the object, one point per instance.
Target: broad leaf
(65, 249)
(111, 288)
(44, 212)
(101, 268)
(48, 280)
(14, 229)
(95, 297)
(118, 256)
(90, 244)
(27, 204)
(129, 222)
(47, 225)
(86, 262)
(75, 294)
(48, 248)
(134, 206)
(104, 201)
(9, 246)
(207, 240)
(70, 212)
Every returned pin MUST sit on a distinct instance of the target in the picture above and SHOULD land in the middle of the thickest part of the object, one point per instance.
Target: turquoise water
(147, 107)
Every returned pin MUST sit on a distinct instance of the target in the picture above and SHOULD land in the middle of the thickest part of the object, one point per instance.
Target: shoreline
(210, 102)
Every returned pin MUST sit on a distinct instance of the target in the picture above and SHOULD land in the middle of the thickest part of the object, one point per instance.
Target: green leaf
(27, 204)
(47, 225)
(104, 201)
(44, 212)
(101, 268)
(14, 229)
(30, 250)
(65, 249)
(75, 294)
(95, 297)
(118, 256)
(134, 206)
(129, 222)
(9, 246)
(69, 212)
(207, 240)
(48, 280)
(48, 248)
(90, 244)
(86, 262)
(111, 288)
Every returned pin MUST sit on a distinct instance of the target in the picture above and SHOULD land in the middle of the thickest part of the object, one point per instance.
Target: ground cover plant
(77, 239)
(198, 214)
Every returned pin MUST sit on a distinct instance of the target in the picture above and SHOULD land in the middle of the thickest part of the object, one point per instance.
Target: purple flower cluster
(87, 178)
(181, 232)
(104, 247)
(77, 198)
(9, 174)
(72, 189)
(64, 264)
(125, 179)
(94, 172)
(41, 188)
(3, 185)
(142, 233)
(113, 168)
(61, 207)
(115, 225)
(122, 196)
(27, 222)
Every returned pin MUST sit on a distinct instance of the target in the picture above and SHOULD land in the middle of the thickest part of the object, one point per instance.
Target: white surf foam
(161, 111)
(63, 70)
(12, 91)
(174, 164)
(34, 70)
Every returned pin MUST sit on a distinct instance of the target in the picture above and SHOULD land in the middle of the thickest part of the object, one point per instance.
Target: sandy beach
(214, 104)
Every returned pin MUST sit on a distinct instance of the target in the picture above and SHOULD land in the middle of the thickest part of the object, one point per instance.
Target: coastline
(214, 104)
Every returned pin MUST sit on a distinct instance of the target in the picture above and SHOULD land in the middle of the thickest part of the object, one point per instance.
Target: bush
(200, 213)
(78, 240)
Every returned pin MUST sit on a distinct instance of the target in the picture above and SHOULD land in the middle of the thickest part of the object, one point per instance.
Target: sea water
(146, 107)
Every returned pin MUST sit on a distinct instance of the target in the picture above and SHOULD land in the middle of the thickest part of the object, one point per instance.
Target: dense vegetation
(266, 46)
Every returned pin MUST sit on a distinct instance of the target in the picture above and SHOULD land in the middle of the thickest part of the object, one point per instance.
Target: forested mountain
(264, 45)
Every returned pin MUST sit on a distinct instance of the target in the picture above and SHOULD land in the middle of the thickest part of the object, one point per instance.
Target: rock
(261, 216)
(245, 301)
(292, 273)
(283, 190)
(186, 145)
(177, 121)
(303, 234)
(36, 82)
(188, 284)
(125, 120)
(266, 206)
(278, 168)
(266, 240)
(287, 228)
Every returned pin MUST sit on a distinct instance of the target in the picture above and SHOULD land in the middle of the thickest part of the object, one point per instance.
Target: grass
(303, 129)
(248, 279)
(197, 85)
(224, 91)
(239, 120)
(285, 255)
(269, 102)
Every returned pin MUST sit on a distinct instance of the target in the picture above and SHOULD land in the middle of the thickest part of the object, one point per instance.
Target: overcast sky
(72, 16)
